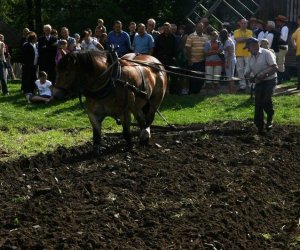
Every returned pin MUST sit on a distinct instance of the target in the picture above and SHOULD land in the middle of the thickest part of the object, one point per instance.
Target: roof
(12, 36)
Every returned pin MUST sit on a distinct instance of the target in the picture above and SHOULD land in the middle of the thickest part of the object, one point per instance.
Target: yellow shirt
(296, 37)
(239, 48)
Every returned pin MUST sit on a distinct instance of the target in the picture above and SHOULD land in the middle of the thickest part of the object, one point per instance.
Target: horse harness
(110, 84)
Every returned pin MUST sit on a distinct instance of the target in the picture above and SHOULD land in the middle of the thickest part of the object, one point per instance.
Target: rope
(156, 66)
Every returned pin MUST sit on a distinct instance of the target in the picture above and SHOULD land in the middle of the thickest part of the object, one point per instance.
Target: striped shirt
(196, 43)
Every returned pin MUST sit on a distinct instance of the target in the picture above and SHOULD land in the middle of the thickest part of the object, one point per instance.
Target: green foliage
(80, 14)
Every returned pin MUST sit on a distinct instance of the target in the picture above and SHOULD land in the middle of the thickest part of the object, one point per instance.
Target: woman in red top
(213, 60)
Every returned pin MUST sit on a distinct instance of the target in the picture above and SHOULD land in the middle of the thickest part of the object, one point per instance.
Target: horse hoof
(145, 136)
(145, 142)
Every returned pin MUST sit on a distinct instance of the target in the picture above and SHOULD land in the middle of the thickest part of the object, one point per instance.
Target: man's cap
(252, 19)
(260, 21)
(281, 18)
(250, 41)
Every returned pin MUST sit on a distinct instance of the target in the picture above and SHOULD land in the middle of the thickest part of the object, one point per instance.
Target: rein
(114, 71)
(157, 67)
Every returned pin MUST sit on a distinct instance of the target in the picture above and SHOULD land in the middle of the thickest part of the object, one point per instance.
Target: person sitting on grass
(44, 88)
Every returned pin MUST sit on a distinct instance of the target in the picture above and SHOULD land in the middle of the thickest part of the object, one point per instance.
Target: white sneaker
(27, 96)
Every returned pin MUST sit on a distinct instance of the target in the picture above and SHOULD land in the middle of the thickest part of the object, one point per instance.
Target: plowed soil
(213, 186)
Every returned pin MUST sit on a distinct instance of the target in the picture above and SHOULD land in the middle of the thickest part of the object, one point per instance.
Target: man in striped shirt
(195, 53)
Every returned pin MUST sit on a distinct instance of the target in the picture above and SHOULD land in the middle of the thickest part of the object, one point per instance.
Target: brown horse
(113, 87)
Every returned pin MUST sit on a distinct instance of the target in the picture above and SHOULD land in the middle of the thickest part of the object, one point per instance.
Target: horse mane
(85, 59)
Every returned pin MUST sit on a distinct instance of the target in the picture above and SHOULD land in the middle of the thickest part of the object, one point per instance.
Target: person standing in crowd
(262, 29)
(151, 23)
(165, 51)
(165, 46)
(23, 40)
(9, 74)
(89, 30)
(213, 61)
(228, 47)
(54, 33)
(3, 69)
(97, 33)
(47, 47)
(62, 50)
(242, 56)
(272, 35)
(89, 43)
(296, 43)
(176, 87)
(25, 32)
(256, 25)
(195, 54)
(103, 40)
(283, 46)
(119, 39)
(207, 28)
(181, 60)
(65, 35)
(174, 29)
(143, 43)
(78, 43)
(30, 63)
(100, 25)
(228, 27)
(262, 64)
(132, 32)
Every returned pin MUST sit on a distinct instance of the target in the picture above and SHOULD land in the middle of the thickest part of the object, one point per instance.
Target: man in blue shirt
(143, 43)
(119, 39)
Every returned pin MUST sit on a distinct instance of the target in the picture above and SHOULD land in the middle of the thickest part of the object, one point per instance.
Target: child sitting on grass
(44, 88)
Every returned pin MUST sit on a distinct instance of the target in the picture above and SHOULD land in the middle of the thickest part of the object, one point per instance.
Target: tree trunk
(38, 15)
(30, 18)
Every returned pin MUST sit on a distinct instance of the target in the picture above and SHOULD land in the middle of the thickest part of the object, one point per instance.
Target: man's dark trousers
(197, 84)
(263, 101)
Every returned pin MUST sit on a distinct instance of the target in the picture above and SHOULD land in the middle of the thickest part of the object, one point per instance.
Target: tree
(80, 14)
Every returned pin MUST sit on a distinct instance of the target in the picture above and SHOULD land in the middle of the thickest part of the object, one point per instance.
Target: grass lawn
(27, 129)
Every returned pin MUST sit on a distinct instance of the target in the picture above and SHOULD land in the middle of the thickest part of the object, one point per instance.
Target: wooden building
(271, 8)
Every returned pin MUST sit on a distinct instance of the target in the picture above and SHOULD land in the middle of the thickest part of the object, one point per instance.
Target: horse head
(80, 72)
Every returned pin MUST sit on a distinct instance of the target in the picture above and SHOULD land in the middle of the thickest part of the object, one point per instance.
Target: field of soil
(212, 186)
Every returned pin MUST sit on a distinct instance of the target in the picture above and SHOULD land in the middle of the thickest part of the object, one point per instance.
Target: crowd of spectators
(199, 48)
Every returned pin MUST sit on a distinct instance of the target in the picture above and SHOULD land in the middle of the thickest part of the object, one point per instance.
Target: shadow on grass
(177, 102)
(18, 100)
(75, 107)
(247, 103)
